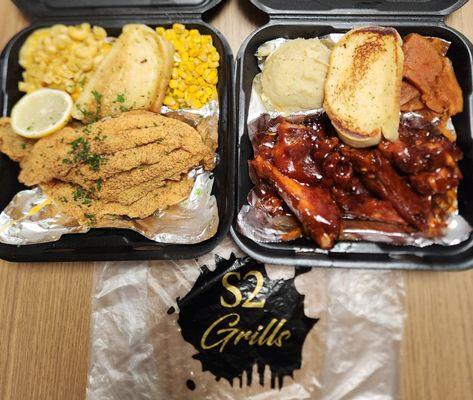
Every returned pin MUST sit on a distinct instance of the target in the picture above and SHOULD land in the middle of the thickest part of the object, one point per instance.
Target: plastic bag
(227, 327)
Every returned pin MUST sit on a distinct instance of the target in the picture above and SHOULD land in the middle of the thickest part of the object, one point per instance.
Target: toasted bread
(166, 52)
(363, 86)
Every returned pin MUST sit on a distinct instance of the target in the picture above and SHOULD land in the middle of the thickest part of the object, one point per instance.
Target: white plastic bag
(169, 330)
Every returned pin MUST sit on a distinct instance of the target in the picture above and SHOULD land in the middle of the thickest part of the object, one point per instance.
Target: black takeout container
(120, 244)
(308, 18)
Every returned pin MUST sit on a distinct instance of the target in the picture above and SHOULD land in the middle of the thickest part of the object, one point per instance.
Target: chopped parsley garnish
(81, 153)
(91, 218)
(120, 98)
(78, 193)
(82, 196)
(94, 162)
(97, 96)
(98, 184)
(23, 146)
(124, 109)
(89, 115)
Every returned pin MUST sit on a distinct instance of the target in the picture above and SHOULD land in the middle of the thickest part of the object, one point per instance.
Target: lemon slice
(41, 113)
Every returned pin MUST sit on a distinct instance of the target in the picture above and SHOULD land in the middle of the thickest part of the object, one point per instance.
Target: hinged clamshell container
(120, 244)
(306, 19)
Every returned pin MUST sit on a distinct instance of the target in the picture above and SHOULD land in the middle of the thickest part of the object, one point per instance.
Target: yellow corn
(194, 75)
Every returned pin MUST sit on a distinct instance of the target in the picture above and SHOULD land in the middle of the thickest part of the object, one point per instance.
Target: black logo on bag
(236, 317)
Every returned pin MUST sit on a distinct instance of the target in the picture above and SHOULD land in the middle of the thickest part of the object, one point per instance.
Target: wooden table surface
(45, 308)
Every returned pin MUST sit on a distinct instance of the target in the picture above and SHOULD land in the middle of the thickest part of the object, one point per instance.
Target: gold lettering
(259, 285)
(227, 332)
(263, 339)
(232, 289)
(223, 342)
(243, 334)
(272, 337)
(284, 335)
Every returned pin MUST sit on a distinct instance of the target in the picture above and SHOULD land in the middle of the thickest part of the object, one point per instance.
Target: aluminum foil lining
(31, 218)
(259, 227)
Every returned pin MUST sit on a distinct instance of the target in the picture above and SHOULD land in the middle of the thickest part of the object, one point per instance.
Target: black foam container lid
(390, 8)
(310, 18)
(43, 9)
(120, 244)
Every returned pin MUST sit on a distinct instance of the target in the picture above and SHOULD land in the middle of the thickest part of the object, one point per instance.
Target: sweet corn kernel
(196, 104)
(178, 93)
(194, 74)
(179, 28)
(181, 85)
(189, 79)
(194, 52)
(169, 101)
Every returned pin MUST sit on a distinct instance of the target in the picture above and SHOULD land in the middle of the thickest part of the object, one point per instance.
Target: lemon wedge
(41, 113)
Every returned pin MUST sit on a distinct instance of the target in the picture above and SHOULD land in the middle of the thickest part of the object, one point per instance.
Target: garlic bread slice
(363, 86)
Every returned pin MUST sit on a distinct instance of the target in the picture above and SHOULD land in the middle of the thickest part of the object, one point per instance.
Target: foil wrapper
(31, 218)
(258, 226)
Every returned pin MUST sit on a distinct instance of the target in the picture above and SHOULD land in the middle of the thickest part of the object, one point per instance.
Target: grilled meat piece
(380, 177)
(292, 153)
(274, 212)
(410, 98)
(313, 206)
(367, 208)
(439, 181)
(426, 68)
(397, 188)
(419, 150)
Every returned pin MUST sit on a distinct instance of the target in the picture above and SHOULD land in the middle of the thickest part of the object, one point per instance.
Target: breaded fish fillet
(115, 145)
(14, 146)
(62, 194)
(130, 165)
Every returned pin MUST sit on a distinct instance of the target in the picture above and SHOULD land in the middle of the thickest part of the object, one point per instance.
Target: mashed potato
(294, 75)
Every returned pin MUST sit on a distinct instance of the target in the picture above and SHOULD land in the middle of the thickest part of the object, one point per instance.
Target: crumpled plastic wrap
(345, 331)
(258, 225)
(30, 218)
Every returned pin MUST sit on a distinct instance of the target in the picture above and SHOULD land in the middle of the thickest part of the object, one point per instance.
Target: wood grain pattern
(45, 308)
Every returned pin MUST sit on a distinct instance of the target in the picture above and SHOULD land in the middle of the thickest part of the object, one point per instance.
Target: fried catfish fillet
(130, 165)
(84, 208)
(133, 75)
(141, 143)
(14, 146)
